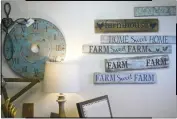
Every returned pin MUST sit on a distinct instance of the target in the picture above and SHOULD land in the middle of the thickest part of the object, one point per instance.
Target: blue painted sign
(125, 78)
(139, 39)
(155, 11)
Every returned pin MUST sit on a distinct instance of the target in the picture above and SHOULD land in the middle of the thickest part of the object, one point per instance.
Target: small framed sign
(127, 49)
(96, 107)
(125, 78)
(136, 63)
(130, 39)
(126, 25)
(155, 11)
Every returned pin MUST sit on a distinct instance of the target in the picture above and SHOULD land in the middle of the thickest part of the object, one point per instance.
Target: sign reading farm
(136, 63)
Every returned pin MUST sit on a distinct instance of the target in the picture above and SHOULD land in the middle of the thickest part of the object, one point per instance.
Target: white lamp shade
(61, 77)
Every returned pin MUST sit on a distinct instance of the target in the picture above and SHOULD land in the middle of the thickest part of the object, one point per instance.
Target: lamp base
(61, 100)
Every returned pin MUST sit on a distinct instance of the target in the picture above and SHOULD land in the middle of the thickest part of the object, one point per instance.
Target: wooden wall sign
(126, 25)
(136, 63)
(155, 11)
(127, 49)
(140, 39)
(125, 78)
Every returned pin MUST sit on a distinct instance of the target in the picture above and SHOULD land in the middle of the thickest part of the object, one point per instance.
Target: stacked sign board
(116, 69)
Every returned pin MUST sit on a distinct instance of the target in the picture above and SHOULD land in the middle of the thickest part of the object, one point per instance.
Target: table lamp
(61, 78)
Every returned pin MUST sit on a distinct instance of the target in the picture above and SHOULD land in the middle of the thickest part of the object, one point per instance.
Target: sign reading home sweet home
(126, 25)
(155, 11)
(130, 39)
(125, 78)
(127, 49)
(136, 63)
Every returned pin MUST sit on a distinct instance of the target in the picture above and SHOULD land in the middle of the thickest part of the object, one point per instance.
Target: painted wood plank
(4, 92)
(137, 63)
(28, 110)
(139, 39)
(155, 11)
(125, 78)
(127, 49)
(126, 25)
(20, 80)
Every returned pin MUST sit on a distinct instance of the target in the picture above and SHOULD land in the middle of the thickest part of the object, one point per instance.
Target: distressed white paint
(76, 21)
(127, 49)
(155, 11)
(124, 78)
(137, 63)
(139, 39)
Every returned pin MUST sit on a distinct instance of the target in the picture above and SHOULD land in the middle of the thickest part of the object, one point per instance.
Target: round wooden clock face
(26, 49)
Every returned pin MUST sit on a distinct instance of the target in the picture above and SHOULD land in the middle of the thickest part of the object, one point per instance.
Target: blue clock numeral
(7, 50)
(46, 28)
(35, 25)
(15, 38)
(24, 69)
(23, 29)
(36, 72)
(15, 60)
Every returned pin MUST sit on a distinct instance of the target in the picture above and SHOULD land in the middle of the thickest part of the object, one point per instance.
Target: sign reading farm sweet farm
(125, 78)
(127, 49)
(136, 63)
(126, 25)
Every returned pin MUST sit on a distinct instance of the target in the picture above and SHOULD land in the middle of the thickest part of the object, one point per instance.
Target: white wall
(76, 21)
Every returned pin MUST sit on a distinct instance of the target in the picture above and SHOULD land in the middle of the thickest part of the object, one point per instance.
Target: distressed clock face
(26, 49)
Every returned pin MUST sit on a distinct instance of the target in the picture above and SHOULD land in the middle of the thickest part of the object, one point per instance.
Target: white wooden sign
(125, 78)
(127, 49)
(136, 63)
(130, 39)
(155, 11)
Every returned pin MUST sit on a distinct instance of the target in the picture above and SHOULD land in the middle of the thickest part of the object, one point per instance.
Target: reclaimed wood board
(139, 39)
(137, 63)
(126, 25)
(155, 11)
(127, 49)
(125, 78)
(28, 110)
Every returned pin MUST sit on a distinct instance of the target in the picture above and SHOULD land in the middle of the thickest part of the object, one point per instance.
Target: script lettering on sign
(130, 39)
(127, 49)
(126, 25)
(124, 78)
(155, 11)
(136, 63)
